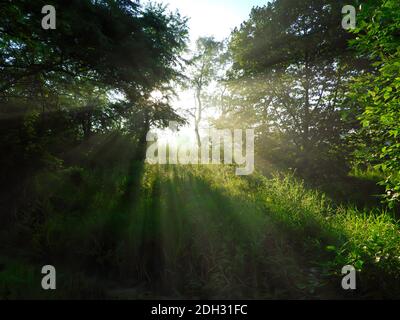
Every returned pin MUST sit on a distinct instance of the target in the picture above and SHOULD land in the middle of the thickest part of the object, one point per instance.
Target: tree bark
(198, 117)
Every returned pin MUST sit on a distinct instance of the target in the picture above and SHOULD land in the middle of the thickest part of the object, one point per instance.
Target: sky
(213, 17)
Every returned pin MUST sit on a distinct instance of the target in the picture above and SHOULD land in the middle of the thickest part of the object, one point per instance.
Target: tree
(204, 67)
(378, 92)
(98, 47)
(57, 86)
(291, 66)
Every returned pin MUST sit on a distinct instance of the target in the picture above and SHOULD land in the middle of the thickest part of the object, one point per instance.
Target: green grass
(194, 232)
(369, 174)
(367, 239)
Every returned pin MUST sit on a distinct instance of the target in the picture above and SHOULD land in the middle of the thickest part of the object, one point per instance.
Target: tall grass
(194, 232)
(367, 239)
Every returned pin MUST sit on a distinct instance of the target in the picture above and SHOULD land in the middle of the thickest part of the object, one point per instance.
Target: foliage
(289, 78)
(61, 90)
(378, 92)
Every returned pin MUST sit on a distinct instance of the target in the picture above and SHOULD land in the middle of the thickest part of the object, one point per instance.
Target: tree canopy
(378, 37)
(291, 68)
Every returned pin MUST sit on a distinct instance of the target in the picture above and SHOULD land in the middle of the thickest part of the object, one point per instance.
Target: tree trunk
(306, 143)
(198, 117)
(142, 143)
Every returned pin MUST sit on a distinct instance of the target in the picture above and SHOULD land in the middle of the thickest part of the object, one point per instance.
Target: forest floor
(215, 241)
(194, 233)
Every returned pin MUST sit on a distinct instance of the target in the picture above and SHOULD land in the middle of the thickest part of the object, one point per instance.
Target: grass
(369, 174)
(366, 239)
(194, 232)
